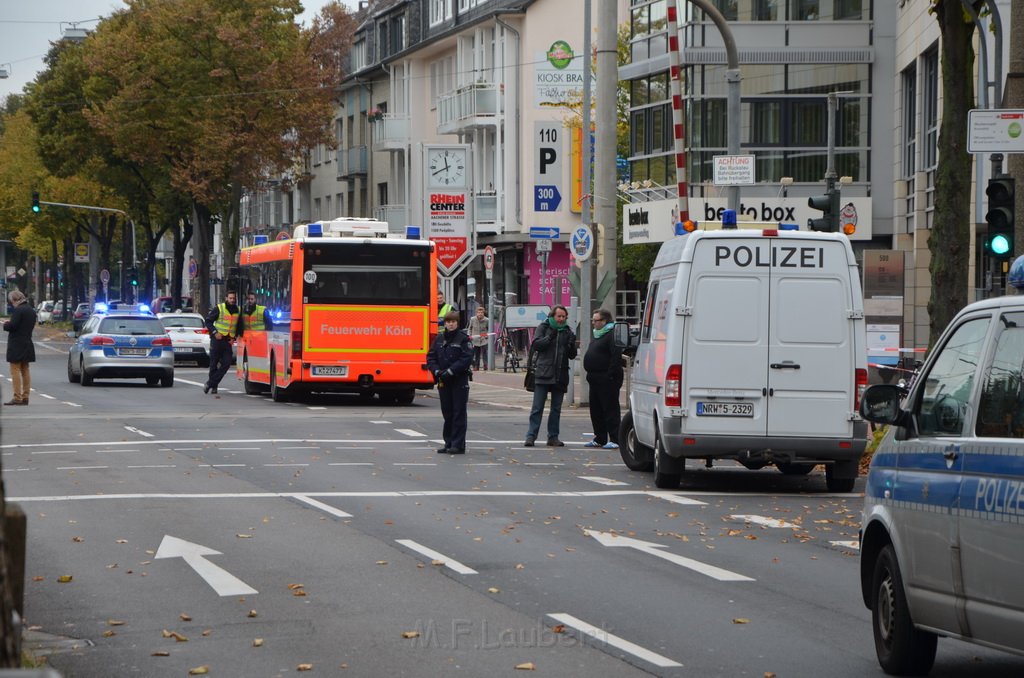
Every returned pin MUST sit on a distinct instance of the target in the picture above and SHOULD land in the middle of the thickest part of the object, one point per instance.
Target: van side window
(652, 297)
(1001, 406)
(947, 386)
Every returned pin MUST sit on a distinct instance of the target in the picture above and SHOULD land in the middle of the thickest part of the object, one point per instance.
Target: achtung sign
(734, 170)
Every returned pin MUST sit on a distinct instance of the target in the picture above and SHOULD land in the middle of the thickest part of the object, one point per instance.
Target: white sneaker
(610, 446)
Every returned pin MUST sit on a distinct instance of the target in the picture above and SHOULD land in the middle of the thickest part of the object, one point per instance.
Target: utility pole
(604, 149)
(1014, 98)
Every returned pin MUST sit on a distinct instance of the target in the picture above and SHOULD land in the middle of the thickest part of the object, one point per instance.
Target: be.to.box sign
(734, 170)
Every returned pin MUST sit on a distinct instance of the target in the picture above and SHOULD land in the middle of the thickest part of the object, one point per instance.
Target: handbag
(529, 381)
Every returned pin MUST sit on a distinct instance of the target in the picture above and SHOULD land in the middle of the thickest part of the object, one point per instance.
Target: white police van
(751, 348)
(942, 547)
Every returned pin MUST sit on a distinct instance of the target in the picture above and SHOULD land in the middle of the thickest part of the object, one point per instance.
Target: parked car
(941, 547)
(44, 311)
(81, 314)
(123, 342)
(165, 305)
(189, 337)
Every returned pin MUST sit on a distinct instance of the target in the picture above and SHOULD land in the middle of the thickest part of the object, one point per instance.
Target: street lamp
(5, 71)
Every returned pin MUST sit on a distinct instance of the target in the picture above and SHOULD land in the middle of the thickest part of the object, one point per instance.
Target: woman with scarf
(603, 365)
(554, 345)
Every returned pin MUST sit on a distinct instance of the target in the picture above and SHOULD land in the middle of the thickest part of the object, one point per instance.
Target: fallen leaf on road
(184, 617)
(115, 622)
(520, 566)
(382, 562)
(558, 628)
(108, 633)
(178, 638)
(740, 620)
(38, 578)
(207, 632)
(252, 613)
(410, 634)
(437, 562)
(257, 642)
(493, 590)
(299, 593)
(199, 670)
(159, 653)
(77, 539)
(304, 667)
(296, 586)
(750, 536)
(528, 666)
(244, 536)
(122, 541)
(64, 578)
(769, 674)
(733, 533)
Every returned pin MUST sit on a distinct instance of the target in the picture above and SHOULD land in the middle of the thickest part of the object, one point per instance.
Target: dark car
(81, 314)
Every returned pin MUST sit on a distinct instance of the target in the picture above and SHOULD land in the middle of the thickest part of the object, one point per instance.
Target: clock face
(447, 167)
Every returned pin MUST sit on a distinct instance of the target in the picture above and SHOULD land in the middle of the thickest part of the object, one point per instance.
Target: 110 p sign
(547, 167)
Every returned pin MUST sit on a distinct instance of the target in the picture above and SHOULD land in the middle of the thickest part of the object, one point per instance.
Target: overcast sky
(28, 26)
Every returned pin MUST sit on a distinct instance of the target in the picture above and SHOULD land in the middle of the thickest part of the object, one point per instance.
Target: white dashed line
(307, 447)
(43, 395)
(154, 466)
(409, 432)
(543, 463)
(79, 468)
(222, 465)
(139, 431)
(286, 465)
(65, 402)
(764, 520)
(350, 463)
(413, 463)
(237, 449)
(677, 499)
(603, 481)
(453, 565)
(326, 508)
(316, 407)
(379, 421)
(603, 636)
(56, 452)
(106, 451)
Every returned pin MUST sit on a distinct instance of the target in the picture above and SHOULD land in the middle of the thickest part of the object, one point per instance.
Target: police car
(122, 341)
(942, 542)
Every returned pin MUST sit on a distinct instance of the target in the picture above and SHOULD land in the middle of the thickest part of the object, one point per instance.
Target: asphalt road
(330, 530)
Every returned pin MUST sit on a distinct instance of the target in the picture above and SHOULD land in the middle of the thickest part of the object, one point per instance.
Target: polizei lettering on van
(780, 256)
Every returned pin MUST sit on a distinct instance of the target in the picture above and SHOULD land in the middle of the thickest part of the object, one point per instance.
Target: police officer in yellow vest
(254, 316)
(443, 309)
(222, 322)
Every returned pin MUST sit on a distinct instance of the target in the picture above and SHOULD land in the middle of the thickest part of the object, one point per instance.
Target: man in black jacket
(449, 359)
(20, 349)
(603, 364)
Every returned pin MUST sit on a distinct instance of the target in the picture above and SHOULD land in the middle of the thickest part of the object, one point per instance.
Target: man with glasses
(603, 365)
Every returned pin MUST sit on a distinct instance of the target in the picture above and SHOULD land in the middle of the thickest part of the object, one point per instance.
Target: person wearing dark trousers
(603, 365)
(478, 335)
(554, 345)
(449, 360)
(222, 322)
(20, 349)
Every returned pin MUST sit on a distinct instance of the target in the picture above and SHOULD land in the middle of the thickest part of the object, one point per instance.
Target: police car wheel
(901, 648)
(663, 480)
(636, 456)
(72, 377)
(86, 377)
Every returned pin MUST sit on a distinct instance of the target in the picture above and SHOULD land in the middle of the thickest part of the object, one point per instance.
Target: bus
(351, 309)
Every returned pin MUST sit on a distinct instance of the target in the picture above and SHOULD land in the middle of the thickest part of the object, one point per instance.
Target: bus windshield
(352, 273)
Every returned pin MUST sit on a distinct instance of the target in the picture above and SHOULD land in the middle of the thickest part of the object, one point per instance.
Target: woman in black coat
(603, 364)
(449, 360)
(20, 349)
(554, 345)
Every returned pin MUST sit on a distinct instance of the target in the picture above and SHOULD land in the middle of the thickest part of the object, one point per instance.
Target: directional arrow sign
(544, 232)
(222, 581)
(609, 539)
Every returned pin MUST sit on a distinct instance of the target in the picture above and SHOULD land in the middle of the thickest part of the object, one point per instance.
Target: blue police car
(942, 535)
(122, 341)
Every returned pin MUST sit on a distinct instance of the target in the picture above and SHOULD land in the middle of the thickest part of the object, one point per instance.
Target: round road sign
(582, 242)
(193, 268)
(104, 276)
(489, 258)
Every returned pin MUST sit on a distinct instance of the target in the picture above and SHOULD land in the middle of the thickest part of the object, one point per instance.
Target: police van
(942, 547)
(751, 348)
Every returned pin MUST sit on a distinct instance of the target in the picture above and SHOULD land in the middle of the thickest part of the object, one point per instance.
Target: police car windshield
(134, 326)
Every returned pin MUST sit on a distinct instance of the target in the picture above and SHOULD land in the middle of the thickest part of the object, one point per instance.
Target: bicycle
(508, 350)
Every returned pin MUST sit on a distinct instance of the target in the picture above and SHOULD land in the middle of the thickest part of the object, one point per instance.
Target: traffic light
(35, 202)
(133, 276)
(999, 241)
(828, 204)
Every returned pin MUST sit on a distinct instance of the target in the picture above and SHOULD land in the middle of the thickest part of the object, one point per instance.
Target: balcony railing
(397, 217)
(391, 133)
(352, 161)
(485, 207)
(476, 105)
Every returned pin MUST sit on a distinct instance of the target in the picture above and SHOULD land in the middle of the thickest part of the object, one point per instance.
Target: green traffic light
(999, 245)
(35, 202)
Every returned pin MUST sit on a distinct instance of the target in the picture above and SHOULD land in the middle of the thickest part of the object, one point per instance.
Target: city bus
(351, 309)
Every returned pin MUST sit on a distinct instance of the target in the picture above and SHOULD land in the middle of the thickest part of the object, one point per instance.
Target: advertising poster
(550, 286)
(448, 226)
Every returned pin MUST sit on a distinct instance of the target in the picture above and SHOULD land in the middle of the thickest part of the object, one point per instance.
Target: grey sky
(27, 28)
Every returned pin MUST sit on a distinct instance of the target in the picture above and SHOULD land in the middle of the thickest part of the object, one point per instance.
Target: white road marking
(139, 431)
(379, 421)
(79, 468)
(350, 463)
(591, 463)
(286, 465)
(453, 565)
(763, 520)
(483, 463)
(236, 449)
(349, 444)
(154, 466)
(353, 494)
(43, 395)
(326, 508)
(409, 432)
(105, 451)
(219, 579)
(56, 452)
(316, 407)
(65, 402)
(300, 447)
(603, 481)
(855, 544)
(185, 449)
(651, 548)
(222, 465)
(543, 463)
(189, 381)
(677, 498)
(603, 636)
(413, 463)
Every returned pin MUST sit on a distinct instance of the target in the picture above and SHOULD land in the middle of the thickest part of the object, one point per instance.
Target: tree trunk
(949, 242)
(182, 237)
(201, 248)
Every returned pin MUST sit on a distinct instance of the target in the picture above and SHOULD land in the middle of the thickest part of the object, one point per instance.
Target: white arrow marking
(603, 481)
(609, 539)
(140, 432)
(219, 579)
(763, 520)
(603, 636)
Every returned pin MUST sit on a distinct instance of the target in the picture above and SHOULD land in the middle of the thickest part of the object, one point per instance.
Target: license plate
(720, 409)
(330, 370)
(133, 351)
(184, 349)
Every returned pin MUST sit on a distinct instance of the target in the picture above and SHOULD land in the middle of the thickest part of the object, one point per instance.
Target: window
(948, 383)
(1001, 406)
(652, 294)
(360, 55)
(440, 11)
(804, 10)
(766, 10)
(909, 121)
(850, 10)
(930, 108)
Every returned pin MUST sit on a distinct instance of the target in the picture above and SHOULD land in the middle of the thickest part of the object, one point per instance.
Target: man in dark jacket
(222, 322)
(20, 349)
(603, 364)
(554, 345)
(448, 360)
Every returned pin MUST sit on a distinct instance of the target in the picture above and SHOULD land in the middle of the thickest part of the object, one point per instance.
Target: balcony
(485, 212)
(397, 217)
(352, 161)
(391, 133)
(469, 107)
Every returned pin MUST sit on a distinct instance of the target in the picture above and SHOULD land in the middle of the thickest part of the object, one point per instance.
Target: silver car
(122, 343)
(942, 536)
(189, 336)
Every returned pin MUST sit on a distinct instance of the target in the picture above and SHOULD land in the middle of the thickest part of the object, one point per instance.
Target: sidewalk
(498, 387)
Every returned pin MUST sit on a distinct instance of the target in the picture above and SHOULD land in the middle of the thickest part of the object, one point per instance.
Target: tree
(949, 241)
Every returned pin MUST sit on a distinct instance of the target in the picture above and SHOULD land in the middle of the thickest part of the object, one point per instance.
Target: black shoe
(442, 450)
(207, 387)
(555, 442)
(456, 450)
(529, 442)
(213, 390)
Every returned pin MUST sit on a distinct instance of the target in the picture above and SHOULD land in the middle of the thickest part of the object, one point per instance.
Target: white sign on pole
(543, 245)
(995, 131)
(734, 170)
